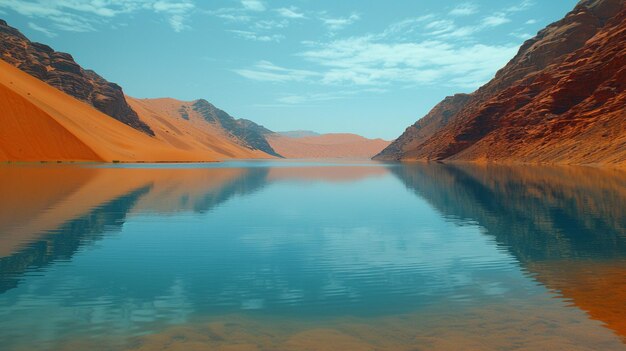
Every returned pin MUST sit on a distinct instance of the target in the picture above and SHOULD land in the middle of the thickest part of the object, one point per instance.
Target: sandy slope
(340, 145)
(193, 133)
(41, 123)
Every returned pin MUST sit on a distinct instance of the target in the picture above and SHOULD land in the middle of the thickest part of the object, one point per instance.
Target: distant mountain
(561, 99)
(340, 145)
(250, 133)
(200, 123)
(298, 133)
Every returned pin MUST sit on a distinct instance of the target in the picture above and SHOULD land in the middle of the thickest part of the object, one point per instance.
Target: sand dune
(41, 123)
(178, 125)
(339, 145)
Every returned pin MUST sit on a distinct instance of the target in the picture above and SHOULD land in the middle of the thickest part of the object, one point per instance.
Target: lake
(286, 255)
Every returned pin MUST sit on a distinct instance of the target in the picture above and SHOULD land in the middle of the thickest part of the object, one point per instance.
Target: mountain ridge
(559, 100)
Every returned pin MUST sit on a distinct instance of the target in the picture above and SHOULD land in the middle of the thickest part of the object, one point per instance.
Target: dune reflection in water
(283, 255)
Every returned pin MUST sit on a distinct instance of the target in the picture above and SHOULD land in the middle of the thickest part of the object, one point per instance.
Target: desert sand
(336, 145)
(193, 133)
(41, 123)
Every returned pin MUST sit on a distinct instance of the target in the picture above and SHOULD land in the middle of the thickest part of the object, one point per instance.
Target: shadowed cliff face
(61, 71)
(565, 225)
(246, 131)
(424, 128)
(559, 100)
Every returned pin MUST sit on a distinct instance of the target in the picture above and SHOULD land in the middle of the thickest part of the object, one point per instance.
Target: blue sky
(368, 67)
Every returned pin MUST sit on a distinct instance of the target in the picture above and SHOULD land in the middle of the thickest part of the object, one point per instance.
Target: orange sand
(327, 146)
(596, 287)
(545, 326)
(41, 123)
(196, 135)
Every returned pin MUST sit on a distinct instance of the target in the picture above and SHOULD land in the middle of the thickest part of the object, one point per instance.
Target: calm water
(312, 256)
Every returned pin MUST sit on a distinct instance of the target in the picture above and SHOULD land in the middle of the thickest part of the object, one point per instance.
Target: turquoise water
(278, 255)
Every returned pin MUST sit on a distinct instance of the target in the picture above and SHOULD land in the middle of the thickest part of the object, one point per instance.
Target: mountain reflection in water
(134, 249)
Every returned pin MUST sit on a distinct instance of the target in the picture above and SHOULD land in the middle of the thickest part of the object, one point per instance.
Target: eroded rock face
(560, 99)
(424, 128)
(246, 131)
(61, 71)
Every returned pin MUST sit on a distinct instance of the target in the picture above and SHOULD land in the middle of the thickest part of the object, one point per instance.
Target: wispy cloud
(253, 5)
(366, 61)
(522, 6)
(425, 50)
(258, 22)
(338, 23)
(268, 72)
(291, 12)
(43, 30)
(495, 20)
(293, 99)
(464, 9)
(521, 35)
(85, 16)
(270, 24)
(250, 35)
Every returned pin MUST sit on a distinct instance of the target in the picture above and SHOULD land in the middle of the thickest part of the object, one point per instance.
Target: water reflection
(103, 251)
(566, 225)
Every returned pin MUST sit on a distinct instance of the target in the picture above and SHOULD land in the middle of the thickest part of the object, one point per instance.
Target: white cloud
(366, 61)
(267, 71)
(522, 36)
(253, 5)
(43, 30)
(495, 20)
(531, 21)
(271, 24)
(522, 6)
(231, 14)
(84, 16)
(250, 35)
(291, 12)
(406, 27)
(424, 50)
(292, 99)
(464, 9)
(338, 23)
(440, 27)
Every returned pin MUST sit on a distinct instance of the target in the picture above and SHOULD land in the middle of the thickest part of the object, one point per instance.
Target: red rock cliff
(561, 99)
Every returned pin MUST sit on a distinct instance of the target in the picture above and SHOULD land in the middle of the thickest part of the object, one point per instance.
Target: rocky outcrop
(561, 99)
(61, 71)
(246, 131)
(424, 128)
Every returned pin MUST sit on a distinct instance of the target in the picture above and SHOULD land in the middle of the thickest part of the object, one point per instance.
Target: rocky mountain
(252, 134)
(61, 71)
(561, 99)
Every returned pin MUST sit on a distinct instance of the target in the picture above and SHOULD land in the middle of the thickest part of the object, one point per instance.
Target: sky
(360, 66)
